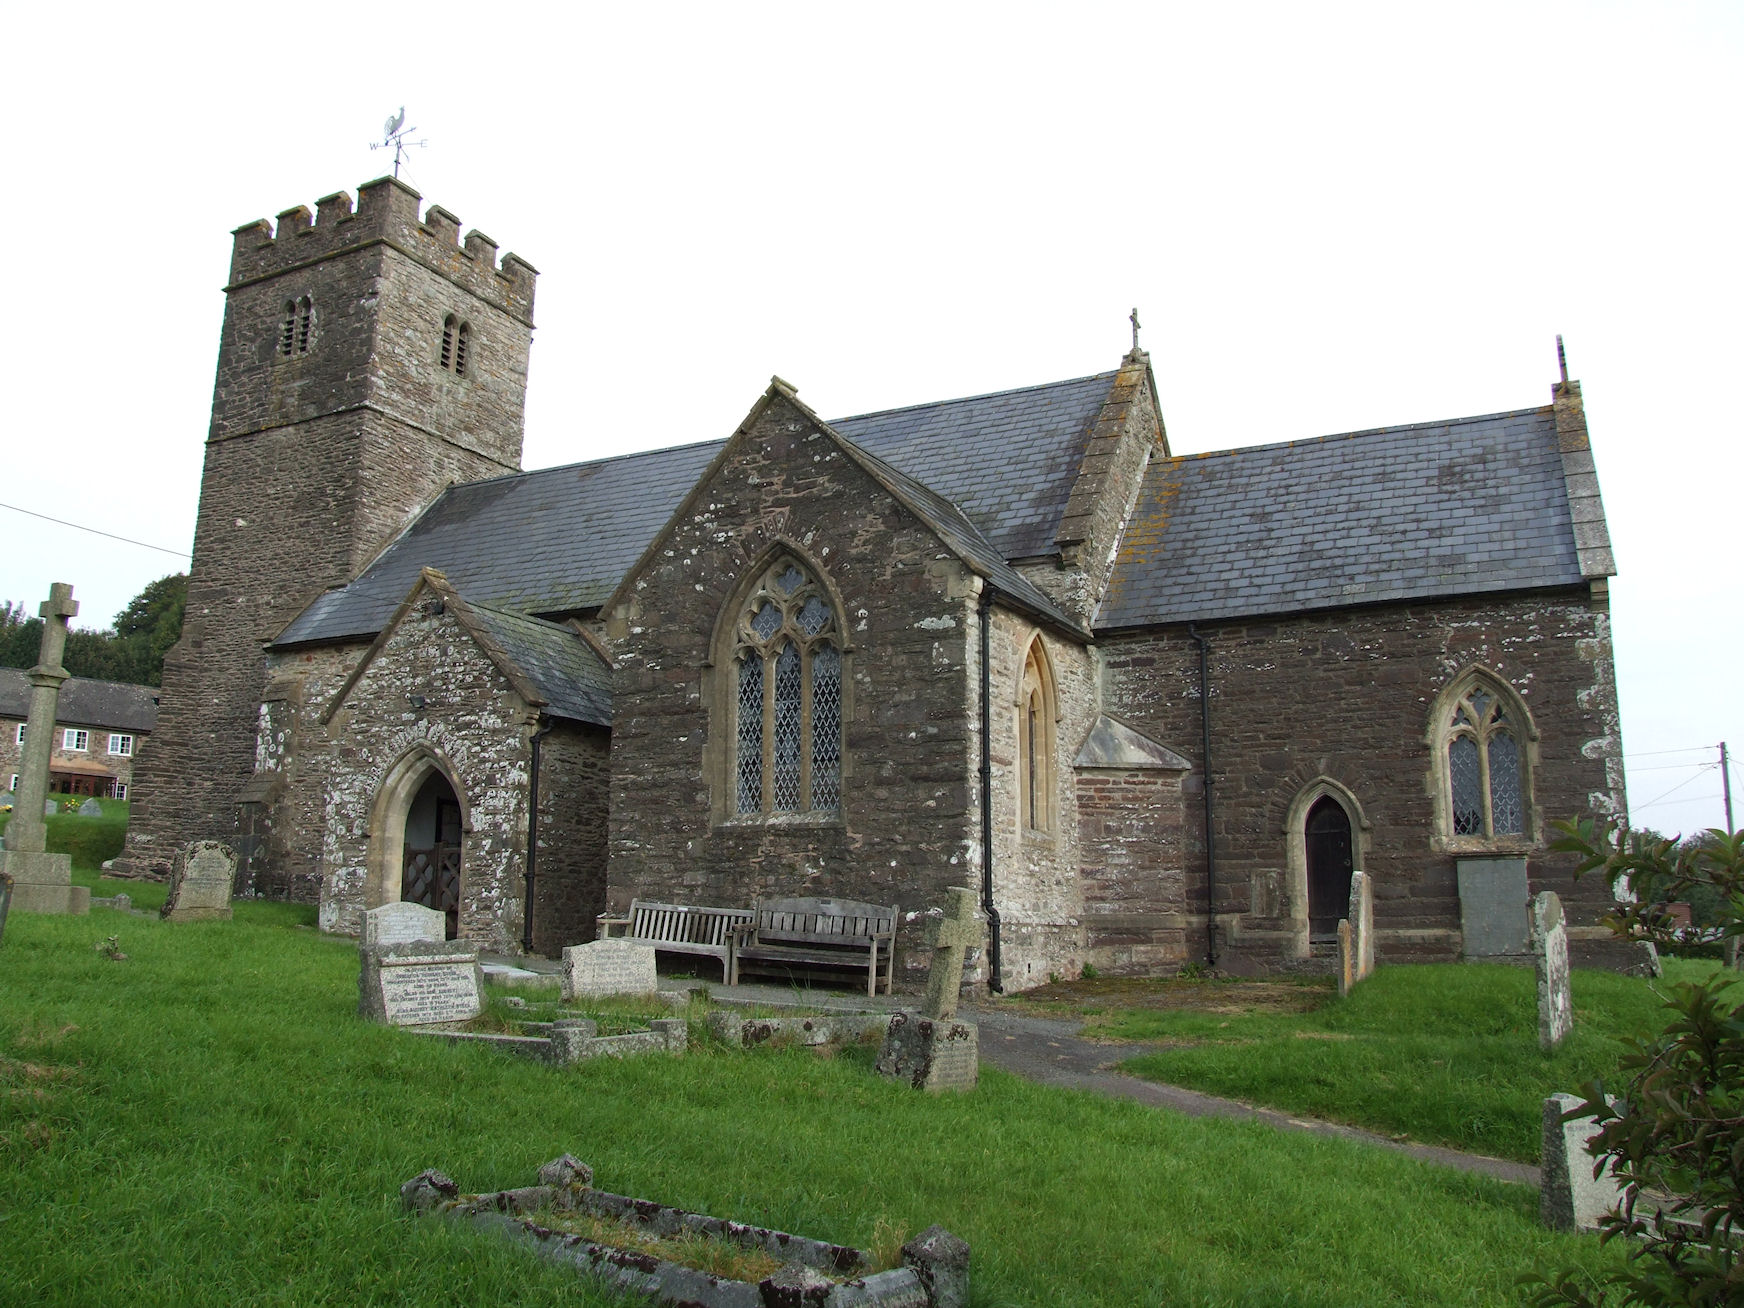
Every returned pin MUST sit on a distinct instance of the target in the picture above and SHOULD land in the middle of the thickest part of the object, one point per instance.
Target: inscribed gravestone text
(419, 982)
(200, 882)
(400, 922)
(609, 967)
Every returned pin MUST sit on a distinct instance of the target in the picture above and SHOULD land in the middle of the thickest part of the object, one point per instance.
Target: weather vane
(394, 135)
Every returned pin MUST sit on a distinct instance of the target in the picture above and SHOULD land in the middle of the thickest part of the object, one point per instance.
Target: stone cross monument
(950, 937)
(42, 882)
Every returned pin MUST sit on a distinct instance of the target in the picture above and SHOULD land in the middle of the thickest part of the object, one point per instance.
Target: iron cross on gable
(949, 937)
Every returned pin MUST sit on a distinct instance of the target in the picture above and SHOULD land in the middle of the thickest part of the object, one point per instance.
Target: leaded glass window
(1035, 744)
(788, 661)
(1486, 778)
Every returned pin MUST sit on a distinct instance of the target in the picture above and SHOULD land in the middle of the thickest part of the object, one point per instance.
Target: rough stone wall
(1124, 435)
(1347, 695)
(474, 721)
(1134, 870)
(574, 793)
(906, 830)
(1036, 884)
(119, 766)
(317, 458)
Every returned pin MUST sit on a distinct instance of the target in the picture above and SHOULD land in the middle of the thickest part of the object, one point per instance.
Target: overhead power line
(79, 526)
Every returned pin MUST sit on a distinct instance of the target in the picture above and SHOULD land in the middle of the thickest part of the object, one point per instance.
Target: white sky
(1331, 217)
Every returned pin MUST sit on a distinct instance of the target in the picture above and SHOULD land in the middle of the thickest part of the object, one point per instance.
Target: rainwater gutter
(1210, 807)
(986, 772)
(544, 730)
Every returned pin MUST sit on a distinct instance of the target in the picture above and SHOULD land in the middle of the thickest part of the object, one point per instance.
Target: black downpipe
(986, 613)
(1210, 808)
(533, 834)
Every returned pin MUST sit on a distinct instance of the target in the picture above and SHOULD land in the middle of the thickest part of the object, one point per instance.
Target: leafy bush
(1675, 1139)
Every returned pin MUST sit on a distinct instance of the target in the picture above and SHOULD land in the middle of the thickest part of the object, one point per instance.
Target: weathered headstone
(50, 808)
(1570, 1197)
(930, 1054)
(1362, 926)
(1550, 952)
(1346, 959)
(419, 982)
(5, 901)
(1492, 907)
(200, 881)
(42, 882)
(609, 967)
(399, 922)
(949, 937)
(941, 1260)
(90, 808)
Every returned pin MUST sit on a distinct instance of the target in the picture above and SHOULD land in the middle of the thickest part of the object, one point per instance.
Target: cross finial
(1133, 316)
(1561, 359)
(59, 604)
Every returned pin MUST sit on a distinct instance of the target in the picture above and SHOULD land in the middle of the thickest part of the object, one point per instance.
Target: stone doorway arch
(1331, 809)
(417, 833)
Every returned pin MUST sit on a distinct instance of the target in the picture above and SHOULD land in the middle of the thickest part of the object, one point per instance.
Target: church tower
(369, 358)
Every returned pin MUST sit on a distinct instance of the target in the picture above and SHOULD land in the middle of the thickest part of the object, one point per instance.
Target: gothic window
(787, 698)
(297, 329)
(1035, 743)
(456, 343)
(1482, 755)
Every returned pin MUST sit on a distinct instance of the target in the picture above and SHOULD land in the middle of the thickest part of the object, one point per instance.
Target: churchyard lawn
(90, 840)
(1442, 1054)
(206, 1121)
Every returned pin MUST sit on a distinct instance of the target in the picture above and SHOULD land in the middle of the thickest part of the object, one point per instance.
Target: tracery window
(1483, 756)
(1035, 744)
(787, 666)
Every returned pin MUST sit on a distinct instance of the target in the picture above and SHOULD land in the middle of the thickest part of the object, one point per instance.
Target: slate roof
(559, 540)
(115, 705)
(574, 680)
(1398, 513)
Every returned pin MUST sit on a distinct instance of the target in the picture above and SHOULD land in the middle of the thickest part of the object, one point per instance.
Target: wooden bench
(802, 936)
(678, 928)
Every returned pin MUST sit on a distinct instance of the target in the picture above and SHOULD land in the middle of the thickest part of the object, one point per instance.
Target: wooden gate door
(1327, 837)
(431, 877)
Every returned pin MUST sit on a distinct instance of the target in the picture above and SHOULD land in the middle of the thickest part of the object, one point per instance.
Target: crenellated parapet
(386, 213)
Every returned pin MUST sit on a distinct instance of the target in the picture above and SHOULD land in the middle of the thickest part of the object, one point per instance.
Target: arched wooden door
(1326, 836)
(431, 872)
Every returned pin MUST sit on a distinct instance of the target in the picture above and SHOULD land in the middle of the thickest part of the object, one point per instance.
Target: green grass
(1444, 1054)
(90, 840)
(208, 1122)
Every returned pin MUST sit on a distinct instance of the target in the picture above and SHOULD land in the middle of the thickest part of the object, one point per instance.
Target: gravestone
(609, 967)
(1362, 926)
(42, 882)
(50, 808)
(949, 937)
(419, 982)
(397, 923)
(90, 808)
(200, 882)
(1550, 952)
(933, 1051)
(5, 901)
(1346, 959)
(1492, 907)
(1570, 1197)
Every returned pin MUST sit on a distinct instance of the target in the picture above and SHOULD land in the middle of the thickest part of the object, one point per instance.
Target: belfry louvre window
(1487, 792)
(787, 703)
(456, 343)
(297, 329)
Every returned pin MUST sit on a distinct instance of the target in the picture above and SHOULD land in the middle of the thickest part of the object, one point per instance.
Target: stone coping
(572, 1040)
(934, 1274)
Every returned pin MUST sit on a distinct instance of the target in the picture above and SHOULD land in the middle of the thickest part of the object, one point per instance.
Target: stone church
(1153, 708)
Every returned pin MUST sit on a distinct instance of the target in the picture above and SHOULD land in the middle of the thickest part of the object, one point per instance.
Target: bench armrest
(603, 925)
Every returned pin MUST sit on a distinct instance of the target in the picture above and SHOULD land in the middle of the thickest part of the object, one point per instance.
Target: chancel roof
(116, 705)
(559, 540)
(1399, 513)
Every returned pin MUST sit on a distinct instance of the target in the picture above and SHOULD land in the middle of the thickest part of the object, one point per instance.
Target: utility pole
(1726, 786)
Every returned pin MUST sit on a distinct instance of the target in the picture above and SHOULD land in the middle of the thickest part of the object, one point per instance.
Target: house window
(122, 745)
(120, 790)
(1035, 743)
(20, 737)
(76, 740)
(787, 701)
(1484, 760)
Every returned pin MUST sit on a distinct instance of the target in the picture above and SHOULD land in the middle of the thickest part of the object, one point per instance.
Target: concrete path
(1051, 1052)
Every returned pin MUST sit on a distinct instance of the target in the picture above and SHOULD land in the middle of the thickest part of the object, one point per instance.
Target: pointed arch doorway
(430, 866)
(1328, 849)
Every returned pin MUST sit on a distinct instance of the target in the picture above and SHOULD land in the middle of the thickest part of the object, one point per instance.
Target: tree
(133, 651)
(1675, 1138)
